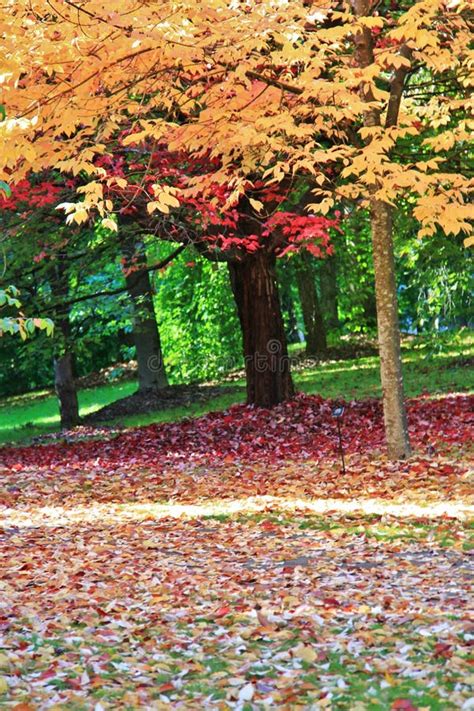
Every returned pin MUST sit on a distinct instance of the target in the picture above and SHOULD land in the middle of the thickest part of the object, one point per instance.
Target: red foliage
(204, 213)
(302, 231)
(31, 195)
(297, 430)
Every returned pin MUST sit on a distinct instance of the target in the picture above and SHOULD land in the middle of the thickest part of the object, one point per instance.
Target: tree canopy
(270, 92)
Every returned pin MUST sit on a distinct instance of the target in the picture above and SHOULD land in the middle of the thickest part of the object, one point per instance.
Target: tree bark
(396, 427)
(65, 387)
(267, 365)
(63, 359)
(315, 332)
(146, 337)
(151, 368)
(328, 284)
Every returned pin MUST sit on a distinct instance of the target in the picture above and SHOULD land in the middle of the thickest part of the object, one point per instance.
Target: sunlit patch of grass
(425, 370)
(23, 417)
(375, 526)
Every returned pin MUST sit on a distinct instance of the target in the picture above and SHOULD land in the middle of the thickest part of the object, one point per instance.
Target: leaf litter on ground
(227, 563)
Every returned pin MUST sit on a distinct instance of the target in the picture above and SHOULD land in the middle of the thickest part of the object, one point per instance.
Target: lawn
(425, 370)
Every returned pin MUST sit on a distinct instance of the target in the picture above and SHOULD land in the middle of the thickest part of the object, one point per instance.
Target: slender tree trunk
(328, 285)
(313, 319)
(63, 360)
(146, 337)
(151, 369)
(65, 387)
(396, 428)
(267, 365)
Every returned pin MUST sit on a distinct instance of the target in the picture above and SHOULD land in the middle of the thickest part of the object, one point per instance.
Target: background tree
(315, 331)
(287, 91)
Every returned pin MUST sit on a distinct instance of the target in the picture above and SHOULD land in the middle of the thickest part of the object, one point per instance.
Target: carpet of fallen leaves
(227, 563)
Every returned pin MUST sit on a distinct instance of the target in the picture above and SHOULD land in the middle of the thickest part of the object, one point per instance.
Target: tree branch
(114, 292)
(396, 89)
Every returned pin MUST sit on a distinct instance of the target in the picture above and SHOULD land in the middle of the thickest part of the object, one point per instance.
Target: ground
(349, 371)
(226, 562)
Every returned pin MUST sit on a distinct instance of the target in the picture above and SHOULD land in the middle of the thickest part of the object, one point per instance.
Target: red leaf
(403, 705)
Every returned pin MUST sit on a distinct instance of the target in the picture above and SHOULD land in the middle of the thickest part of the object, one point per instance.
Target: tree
(64, 357)
(329, 292)
(150, 362)
(274, 92)
(315, 331)
(51, 263)
(248, 234)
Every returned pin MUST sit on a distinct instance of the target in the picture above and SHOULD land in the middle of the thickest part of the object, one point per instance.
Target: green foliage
(355, 273)
(197, 319)
(290, 303)
(19, 325)
(434, 276)
(436, 282)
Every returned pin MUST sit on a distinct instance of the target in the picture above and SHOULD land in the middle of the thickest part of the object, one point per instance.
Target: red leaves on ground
(403, 705)
(300, 429)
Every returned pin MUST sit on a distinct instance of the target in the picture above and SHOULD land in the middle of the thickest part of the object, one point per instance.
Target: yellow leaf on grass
(4, 661)
(3, 685)
(305, 653)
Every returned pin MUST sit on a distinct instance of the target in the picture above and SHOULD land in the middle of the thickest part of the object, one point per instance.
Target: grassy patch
(427, 369)
(26, 416)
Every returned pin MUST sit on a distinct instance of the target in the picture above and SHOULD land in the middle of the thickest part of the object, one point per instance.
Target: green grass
(426, 370)
(26, 416)
(355, 379)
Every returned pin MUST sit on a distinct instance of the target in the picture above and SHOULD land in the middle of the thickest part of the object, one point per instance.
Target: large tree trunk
(328, 284)
(396, 429)
(151, 368)
(267, 366)
(313, 319)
